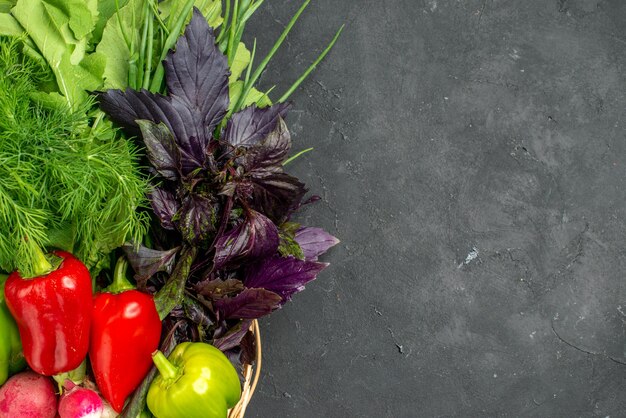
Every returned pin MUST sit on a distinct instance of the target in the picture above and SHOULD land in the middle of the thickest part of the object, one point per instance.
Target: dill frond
(63, 180)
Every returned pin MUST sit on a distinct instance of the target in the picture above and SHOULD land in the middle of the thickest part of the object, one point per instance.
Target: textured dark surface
(471, 157)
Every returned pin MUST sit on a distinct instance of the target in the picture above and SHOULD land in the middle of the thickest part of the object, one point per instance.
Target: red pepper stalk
(52, 311)
(126, 330)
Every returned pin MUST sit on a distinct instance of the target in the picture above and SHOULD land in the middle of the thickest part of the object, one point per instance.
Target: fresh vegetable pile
(133, 136)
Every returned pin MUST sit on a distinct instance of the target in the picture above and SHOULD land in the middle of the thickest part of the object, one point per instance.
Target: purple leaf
(314, 242)
(234, 356)
(249, 304)
(197, 79)
(165, 206)
(197, 218)
(197, 312)
(249, 126)
(282, 275)
(276, 194)
(147, 262)
(161, 148)
(271, 151)
(248, 348)
(198, 72)
(218, 289)
(254, 238)
(125, 108)
(234, 336)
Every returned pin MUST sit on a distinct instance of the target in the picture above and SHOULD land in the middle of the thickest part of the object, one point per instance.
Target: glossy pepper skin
(197, 381)
(11, 357)
(125, 331)
(53, 315)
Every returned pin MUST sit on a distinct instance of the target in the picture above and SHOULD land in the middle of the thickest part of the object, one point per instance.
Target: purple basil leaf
(197, 80)
(271, 151)
(249, 304)
(197, 313)
(314, 242)
(193, 138)
(147, 262)
(218, 289)
(197, 218)
(234, 356)
(161, 148)
(254, 238)
(248, 348)
(282, 275)
(234, 336)
(276, 194)
(251, 125)
(198, 73)
(229, 188)
(126, 107)
(165, 206)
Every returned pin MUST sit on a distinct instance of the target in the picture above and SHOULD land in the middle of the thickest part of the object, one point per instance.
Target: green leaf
(240, 62)
(62, 237)
(211, 10)
(76, 80)
(6, 5)
(114, 44)
(106, 9)
(51, 100)
(9, 26)
(81, 15)
(254, 96)
(59, 30)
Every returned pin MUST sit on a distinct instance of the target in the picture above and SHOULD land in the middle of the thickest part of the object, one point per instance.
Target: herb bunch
(223, 250)
(66, 181)
(222, 197)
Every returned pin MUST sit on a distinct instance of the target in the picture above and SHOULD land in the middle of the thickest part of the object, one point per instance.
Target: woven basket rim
(251, 375)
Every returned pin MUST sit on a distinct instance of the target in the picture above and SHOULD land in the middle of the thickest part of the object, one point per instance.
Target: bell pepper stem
(120, 282)
(41, 264)
(168, 370)
(76, 376)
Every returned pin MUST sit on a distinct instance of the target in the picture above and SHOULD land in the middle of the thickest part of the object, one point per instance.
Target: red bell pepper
(126, 330)
(53, 315)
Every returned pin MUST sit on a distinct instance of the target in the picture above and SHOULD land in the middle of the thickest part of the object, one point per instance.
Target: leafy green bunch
(68, 178)
(66, 181)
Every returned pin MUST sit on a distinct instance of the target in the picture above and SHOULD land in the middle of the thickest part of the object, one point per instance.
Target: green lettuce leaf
(240, 62)
(81, 15)
(9, 26)
(60, 29)
(254, 96)
(6, 5)
(120, 31)
(106, 9)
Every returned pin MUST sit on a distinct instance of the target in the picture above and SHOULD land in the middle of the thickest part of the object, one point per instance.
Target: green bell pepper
(11, 357)
(197, 381)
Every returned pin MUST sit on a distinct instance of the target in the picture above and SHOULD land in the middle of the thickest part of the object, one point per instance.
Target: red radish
(79, 402)
(108, 411)
(28, 395)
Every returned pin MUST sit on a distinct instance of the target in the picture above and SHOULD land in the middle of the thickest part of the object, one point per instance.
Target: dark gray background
(471, 157)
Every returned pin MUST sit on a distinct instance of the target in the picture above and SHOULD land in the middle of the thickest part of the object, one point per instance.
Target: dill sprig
(67, 180)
